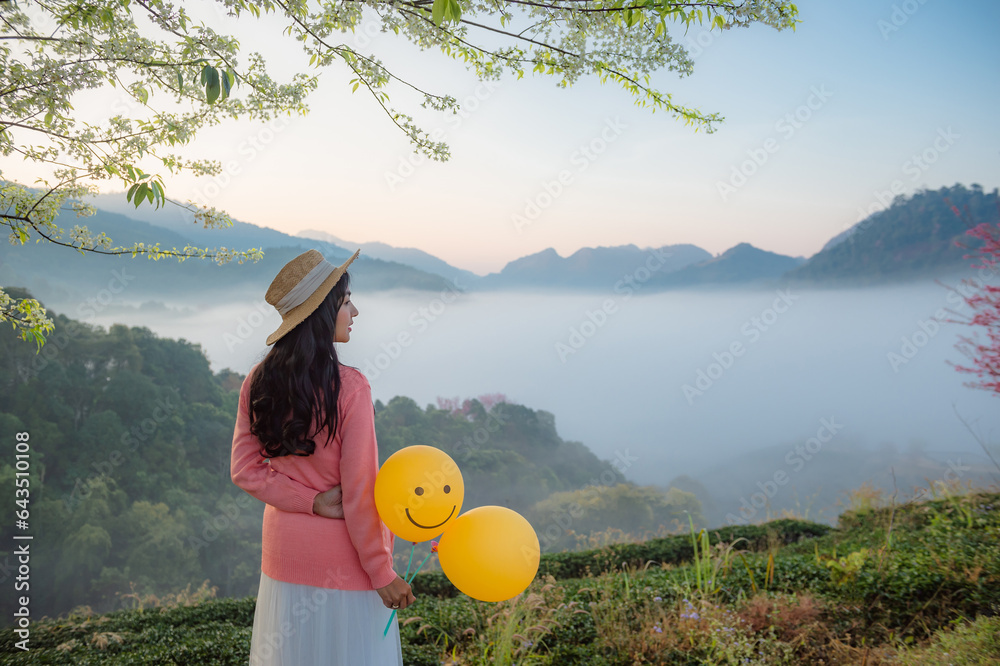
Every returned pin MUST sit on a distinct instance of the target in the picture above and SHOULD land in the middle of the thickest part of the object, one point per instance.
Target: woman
(327, 583)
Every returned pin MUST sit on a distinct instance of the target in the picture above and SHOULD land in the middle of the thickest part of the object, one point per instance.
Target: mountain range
(917, 236)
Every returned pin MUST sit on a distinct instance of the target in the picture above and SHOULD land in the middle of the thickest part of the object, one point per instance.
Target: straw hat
(300, 286)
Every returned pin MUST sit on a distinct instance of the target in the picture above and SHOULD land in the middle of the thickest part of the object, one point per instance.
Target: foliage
(176, 74)
(975, 643)
(513, 628)
(467, 408)
(983, 300)
(865, 498)
(844, 569)
(707, 565)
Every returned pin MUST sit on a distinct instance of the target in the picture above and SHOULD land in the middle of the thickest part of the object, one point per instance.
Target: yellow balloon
(417, 491)
(490, 553)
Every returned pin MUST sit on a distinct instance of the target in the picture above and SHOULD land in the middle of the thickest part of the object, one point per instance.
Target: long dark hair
(299, 376)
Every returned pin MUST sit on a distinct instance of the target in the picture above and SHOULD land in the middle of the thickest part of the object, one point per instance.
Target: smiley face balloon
(417, 491)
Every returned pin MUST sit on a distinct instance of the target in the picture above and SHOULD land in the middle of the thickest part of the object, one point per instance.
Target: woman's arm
(358, 467)
(250, 471)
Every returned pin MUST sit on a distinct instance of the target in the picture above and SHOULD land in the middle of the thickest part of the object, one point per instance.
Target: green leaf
(213, 89)
(437, 11)
(719, 21)
(132, 190)
(180, 81)
(226, 85)
(48, 119)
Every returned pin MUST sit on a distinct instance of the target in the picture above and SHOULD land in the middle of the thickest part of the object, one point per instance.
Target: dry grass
(185, 597)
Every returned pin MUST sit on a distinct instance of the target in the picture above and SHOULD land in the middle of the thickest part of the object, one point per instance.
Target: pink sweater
(299, 546)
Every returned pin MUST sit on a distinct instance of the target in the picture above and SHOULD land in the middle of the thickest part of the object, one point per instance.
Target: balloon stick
(412, 546)
(409, 578)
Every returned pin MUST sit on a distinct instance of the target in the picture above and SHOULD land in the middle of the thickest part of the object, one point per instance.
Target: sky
(824, 124)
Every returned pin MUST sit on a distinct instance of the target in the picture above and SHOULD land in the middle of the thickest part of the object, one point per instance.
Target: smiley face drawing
(417, 491)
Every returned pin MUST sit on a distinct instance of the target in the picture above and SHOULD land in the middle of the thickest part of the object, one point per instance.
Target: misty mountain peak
(547, 258)
(742, 249)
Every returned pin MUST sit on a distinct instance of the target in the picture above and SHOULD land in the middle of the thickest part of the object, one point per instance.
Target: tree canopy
(180, 74)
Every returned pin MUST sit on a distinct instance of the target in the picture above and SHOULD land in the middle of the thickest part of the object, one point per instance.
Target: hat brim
(297, 315)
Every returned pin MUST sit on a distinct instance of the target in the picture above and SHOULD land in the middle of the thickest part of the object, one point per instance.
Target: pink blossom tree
(464, 407)
(983, 300)
(490, 399)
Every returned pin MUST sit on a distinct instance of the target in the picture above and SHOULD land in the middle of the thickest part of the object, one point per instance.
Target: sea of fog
(671, 382)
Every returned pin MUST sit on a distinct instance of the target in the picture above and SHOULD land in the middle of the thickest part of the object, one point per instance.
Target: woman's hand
(329, 504)
(397, 594)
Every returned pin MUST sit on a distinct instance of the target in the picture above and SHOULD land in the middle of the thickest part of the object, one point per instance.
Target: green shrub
(974, 643)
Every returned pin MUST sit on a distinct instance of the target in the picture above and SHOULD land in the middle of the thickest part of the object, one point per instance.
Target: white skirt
(301, 625)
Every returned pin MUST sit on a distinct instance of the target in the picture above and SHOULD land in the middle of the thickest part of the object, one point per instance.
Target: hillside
(914, 583)
(918, 236)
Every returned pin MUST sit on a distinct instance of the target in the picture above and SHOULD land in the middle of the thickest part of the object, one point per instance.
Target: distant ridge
(62, 275)
(587, 268)
(405, 255)
(742, 264)
(242, 235)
